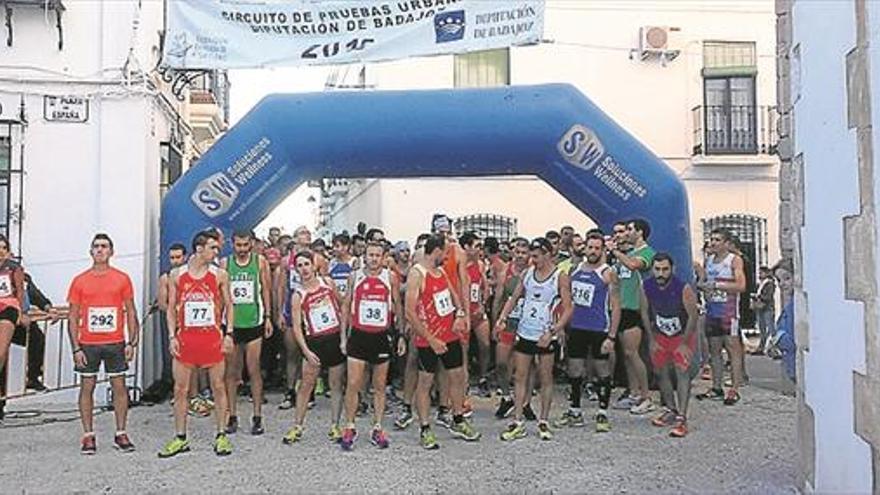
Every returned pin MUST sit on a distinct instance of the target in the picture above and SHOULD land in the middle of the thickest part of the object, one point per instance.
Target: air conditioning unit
(658, 42)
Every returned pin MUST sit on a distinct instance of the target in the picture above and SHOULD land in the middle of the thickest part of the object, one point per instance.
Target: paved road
(749, 448)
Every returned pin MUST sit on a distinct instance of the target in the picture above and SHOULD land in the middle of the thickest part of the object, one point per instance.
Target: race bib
(717, 296)
(102, 320)
(341, 285)
(443, 302)
(582, 293)
(668, 326)
(198, 314)
(322, 316)
(243, 291)
(516, 313)
(293, 281)
(373, 313)
(536, 312)
(475, 293)
(5, 285)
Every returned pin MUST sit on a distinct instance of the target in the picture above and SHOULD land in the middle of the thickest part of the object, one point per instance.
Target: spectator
(763, 302)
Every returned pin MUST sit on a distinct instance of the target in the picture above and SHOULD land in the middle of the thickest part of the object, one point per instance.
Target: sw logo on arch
(215, 195)
(581, 147)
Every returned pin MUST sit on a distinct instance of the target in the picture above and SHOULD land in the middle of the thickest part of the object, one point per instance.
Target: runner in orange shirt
(101, 307)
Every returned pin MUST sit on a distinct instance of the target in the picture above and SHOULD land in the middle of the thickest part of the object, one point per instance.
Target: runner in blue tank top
(592, 331)
(669, 306)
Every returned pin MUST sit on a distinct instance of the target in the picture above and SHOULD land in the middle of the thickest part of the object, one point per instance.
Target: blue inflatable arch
(551, 131)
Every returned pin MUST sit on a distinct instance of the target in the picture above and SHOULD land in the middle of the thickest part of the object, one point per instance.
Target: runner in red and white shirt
(199, 301)
(101, 308)
(478, 295)
(438, 319)
(318, 325)
(374, 303)
(12, 291)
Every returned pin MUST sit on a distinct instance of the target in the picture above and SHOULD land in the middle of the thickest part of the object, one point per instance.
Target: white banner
(225, 34)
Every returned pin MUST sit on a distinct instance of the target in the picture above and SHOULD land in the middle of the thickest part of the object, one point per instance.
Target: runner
(725, 280)
(342, 264)
(101, 310)
(250, 284)
(358, 246)
(478, 294)
(438, 319)
(405, 415)
(287, 281)
(592, 332)
(670, 307)
(374, 305)
(566, 241)
(199, 301)
(317, 327)
(505, 335)
(12, 294)
(543, 286)
(631, 266)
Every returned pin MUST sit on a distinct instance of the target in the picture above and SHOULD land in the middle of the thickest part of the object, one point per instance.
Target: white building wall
(836, 347)
(589, 46)
(81, 178)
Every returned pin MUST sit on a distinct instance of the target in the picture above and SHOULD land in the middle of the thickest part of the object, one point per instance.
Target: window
(750, 234)
(498, 226)
(171, 166)
(730, 114)
(482, 69)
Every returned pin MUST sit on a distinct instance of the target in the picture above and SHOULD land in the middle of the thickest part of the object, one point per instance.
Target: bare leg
(336, 375)
(252, 352)
(635, 368)
(217, 375)
(183, 375)
(120, 401)
(87, 402)
(735, 349)
(233, 377)
(522, 392)
(485, 347)
(411, 374)
(502, 367)
(309, 376)
(7, 328)
(356, 369)
(545, 375)
(715, 346)
(457, 388)
(380, 375)
(423, 397)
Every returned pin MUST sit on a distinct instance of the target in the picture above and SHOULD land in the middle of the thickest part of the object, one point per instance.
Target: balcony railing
(734, 130)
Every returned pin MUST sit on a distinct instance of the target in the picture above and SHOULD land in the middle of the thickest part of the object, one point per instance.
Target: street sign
(66, 109)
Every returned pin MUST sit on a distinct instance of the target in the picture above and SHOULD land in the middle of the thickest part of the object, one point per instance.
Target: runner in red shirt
(317, 327)
(373, 301)
(11, 298)
(438, 319)
(478, 294)
(199, 301)
(101, 307)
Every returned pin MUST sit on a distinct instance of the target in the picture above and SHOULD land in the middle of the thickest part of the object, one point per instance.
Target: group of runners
(586, 301)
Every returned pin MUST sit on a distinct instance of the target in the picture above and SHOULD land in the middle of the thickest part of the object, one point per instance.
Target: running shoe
(711, 394)
(544, 432)
(428, 439)
(681, 429)
(349, 435)
(625, 402)
(504, 408)
(444, 418)
(485, 390)
(465, 431)
(379, 438)
(293, 435)
(289, 400)
(122, 443)
(176, 446)
(570, 418)
(602, 423)
(706, 373)
(232, 425)
(514, 431)
(257, 425)
(666, 418)
(89, 445)
(335, 434)
(644, 407)
(222, 445)
(731, 398)
(529, 413)
(404, 417)
(319, 387)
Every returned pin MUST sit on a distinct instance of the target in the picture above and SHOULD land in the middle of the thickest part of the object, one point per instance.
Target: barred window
(498, 226)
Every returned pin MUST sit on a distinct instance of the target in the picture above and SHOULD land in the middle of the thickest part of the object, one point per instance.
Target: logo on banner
(215, 194)
(449, 26)
(580, 147)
